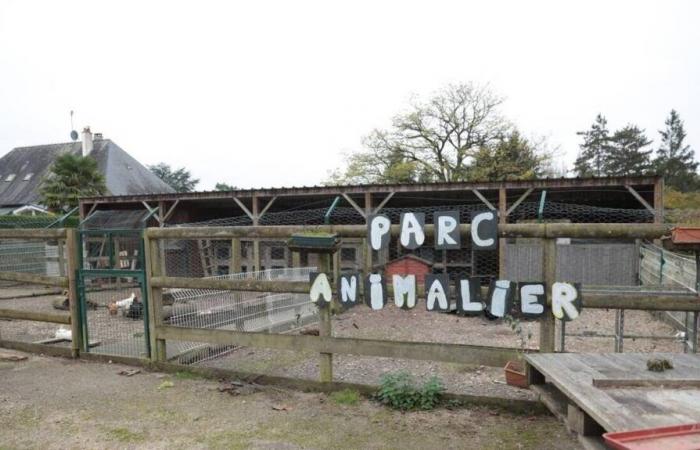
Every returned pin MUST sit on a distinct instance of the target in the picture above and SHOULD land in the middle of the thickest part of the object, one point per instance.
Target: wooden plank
(425, 351)
(530, 230)
(34, 279)
(549, 269)
(680, 383)
(34, 316)
(355, 205)
(50, 350)
(581, 423)
(383, 203)
(605, 301)
(640, 199)
(244, 208)
(618, 409)
(33, 233)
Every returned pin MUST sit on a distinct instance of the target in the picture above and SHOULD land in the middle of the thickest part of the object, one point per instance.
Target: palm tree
(71, 177)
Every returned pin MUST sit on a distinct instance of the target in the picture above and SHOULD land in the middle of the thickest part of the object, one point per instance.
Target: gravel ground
(54, 403)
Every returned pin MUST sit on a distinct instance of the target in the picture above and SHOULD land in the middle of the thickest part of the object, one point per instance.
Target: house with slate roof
(23, 169)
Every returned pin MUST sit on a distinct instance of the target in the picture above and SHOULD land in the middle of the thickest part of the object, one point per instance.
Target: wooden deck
(594, 393)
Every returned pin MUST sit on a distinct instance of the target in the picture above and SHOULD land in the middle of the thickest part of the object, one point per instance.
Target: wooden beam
(383, 203)
(50, 350)
(425, 351)
(73, 265)
(640, 199)
(332, 191)
(354, 205)
(151, 211)
(264, 210)
(502, 219)
(519, 201)
(92, 209)
(170, 211)
(34, 279)
(532, 230)
(549, 270)
(244, 208)
(35, 316)
(638, 301)
(483, 199)
(33, 233)
(659, 200)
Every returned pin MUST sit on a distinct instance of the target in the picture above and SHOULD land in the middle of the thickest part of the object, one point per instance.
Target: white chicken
(63, 333)
(126, 303)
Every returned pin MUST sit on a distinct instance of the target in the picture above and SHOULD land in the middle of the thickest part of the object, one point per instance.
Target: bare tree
(435, 140)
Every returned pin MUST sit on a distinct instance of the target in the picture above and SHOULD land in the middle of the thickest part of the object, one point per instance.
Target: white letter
(563, 297)
(348, 289)
(376, 295)
(410, 225)
(321, 287)
(467, 304)
(475, 230)
(528, 299)
(498, 298)
(404, 287)
(378, 228)
(436, 293)
(445, 226)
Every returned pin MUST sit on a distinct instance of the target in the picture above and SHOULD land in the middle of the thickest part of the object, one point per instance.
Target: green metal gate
(112, 291)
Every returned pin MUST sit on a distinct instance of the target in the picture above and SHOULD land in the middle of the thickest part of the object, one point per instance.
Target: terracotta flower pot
(515, 374)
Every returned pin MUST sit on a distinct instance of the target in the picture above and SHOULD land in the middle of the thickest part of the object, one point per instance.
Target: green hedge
(21, 221)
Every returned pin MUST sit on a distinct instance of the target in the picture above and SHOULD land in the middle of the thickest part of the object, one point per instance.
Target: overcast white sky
(261, 94)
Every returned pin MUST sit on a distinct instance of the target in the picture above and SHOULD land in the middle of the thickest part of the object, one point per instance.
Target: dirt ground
(420, 325)
(55, 403)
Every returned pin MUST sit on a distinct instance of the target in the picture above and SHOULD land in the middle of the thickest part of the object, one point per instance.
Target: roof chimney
(87, 141)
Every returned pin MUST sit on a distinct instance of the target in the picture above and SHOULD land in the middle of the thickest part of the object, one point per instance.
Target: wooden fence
(68, 240)
(326, 345)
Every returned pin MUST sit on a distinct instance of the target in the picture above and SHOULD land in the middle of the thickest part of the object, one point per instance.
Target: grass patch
(126, 435)
(347, 397)
(186, 376)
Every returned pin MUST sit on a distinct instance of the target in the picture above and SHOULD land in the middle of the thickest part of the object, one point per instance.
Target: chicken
(126, 303)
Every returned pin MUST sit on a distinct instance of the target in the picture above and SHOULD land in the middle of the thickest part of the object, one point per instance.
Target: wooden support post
(326, 359)
(256, 242)
(659, 200)
(549, 270)
(336, 265)
(502, 218)
(580, 422)
(62, 261)
(366, 244)
(533, 375)
(155, 299)
(296, 259)
(73, 299)
(235, 265)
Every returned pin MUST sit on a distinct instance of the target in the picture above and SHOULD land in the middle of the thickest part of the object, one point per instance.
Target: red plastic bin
(678, 437)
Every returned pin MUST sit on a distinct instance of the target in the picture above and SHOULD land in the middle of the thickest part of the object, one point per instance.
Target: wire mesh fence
(115, 314)
(237, 310)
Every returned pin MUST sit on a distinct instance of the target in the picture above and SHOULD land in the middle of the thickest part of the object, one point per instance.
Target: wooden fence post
(153, 266)
(72, 259)
(549, 270)
(326, 359)
(235, 266)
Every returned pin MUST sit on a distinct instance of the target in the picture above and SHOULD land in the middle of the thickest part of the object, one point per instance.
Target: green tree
(594, 151)
(511, 158)
(674, 160)
(434, 140)
(180, 179)
(628, 153)
(71, 177)
(224, 187)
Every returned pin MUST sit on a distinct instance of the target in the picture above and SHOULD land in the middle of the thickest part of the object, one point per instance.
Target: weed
(400, 391)
(125, 435)
(345, 397)
(186, 376)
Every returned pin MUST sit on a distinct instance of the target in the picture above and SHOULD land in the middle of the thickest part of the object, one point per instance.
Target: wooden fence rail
(427, 351)
(16, 314)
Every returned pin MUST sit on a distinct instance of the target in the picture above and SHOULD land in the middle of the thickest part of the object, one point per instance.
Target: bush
(400, 391)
